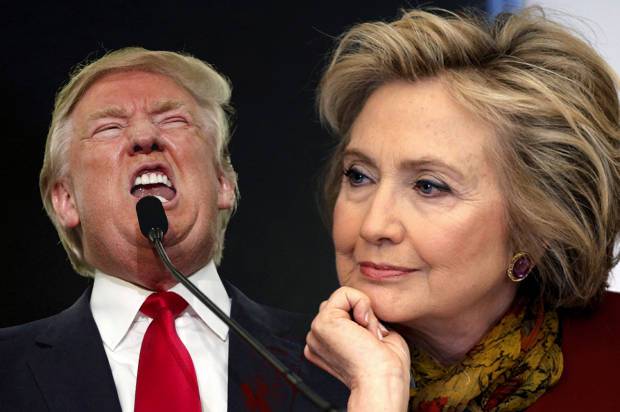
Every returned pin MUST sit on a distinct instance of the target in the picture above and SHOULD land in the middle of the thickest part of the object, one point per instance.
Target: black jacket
(59, 364)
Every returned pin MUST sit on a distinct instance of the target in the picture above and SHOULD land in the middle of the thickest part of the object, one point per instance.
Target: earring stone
(520, 267)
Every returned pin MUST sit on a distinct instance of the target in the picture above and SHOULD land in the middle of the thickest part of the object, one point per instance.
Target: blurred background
(277, 249)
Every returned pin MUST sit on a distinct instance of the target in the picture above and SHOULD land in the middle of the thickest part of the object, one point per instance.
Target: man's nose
(145, 138)
(383, 221)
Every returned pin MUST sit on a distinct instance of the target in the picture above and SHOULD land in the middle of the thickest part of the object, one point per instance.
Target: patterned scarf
(515, 363)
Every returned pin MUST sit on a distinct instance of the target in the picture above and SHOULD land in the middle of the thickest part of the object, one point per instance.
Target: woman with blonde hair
(474, 196)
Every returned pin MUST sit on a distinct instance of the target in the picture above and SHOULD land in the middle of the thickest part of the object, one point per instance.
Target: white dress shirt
(115, 304)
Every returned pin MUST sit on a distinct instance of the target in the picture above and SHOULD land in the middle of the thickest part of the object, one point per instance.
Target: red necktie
(166, 376)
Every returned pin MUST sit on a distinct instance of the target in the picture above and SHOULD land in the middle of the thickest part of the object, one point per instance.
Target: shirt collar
(115, 303)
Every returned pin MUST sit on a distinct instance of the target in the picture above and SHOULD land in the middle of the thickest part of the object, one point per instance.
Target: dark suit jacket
(59, 363)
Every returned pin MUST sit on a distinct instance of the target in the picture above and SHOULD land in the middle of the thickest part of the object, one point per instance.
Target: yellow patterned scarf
(516, 362)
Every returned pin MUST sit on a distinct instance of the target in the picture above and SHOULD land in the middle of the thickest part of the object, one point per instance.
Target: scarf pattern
(514, 364)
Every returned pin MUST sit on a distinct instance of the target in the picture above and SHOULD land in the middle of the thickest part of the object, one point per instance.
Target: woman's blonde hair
(553, 102)
(210, 89)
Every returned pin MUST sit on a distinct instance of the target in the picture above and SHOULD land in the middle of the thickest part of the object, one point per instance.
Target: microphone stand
(155, 237)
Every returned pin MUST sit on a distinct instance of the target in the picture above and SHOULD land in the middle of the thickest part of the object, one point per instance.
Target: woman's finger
(355, 303)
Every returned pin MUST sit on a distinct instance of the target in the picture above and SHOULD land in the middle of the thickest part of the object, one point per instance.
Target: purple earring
(520, 266)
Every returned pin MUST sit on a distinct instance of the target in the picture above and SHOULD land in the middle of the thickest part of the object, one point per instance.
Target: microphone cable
(154, 225)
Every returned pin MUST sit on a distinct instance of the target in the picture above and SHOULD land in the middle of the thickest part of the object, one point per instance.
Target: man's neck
(149, 272)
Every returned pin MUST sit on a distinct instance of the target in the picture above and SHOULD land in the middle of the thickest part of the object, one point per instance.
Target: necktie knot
(163, 302)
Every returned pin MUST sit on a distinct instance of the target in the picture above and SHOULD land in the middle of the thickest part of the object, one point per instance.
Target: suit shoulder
(16, 346)
(275, 321)
(285, 316)
(296, 324)
(590, 341)
(14, 335)
(17, 339)
(601, 319)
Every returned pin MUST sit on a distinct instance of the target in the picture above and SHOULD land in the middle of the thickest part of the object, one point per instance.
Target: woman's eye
(429, 188)
(355, 177)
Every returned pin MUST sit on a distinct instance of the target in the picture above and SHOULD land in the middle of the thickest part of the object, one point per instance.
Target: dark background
(277, 249)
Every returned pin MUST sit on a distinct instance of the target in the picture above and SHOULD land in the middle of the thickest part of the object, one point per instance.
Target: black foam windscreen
(151, 215)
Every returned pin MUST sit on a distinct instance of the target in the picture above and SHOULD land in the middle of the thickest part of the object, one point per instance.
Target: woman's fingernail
(383, 329)
(366, 318)
(379, 334)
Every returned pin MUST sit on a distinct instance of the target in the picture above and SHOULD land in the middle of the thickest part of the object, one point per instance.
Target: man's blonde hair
(210, 89)
(553, 102)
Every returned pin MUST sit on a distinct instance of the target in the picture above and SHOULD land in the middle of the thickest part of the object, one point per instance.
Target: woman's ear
(64, 205)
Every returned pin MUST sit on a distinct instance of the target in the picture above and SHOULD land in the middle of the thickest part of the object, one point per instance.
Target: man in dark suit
(131, 124)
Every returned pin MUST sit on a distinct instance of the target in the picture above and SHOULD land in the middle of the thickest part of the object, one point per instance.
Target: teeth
(151, 178)
(161, 199)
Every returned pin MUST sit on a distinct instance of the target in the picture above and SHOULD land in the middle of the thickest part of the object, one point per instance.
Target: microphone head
(151, 215)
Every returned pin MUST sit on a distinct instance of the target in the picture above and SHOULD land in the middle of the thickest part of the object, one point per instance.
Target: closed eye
(108, 130)
(174, 121)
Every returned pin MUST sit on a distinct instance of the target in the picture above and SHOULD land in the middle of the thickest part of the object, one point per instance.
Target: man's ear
(64, 205)
(225, 193)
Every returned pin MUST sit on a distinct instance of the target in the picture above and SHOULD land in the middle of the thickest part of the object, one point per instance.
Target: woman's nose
(382, 222)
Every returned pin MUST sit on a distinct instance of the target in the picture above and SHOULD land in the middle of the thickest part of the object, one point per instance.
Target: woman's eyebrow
(355, 153)
(427, 162)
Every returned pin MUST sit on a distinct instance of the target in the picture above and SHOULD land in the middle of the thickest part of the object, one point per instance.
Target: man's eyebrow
(165, 106)
(110, 111)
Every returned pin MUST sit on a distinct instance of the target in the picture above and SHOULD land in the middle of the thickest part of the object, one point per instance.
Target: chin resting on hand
(347, 340)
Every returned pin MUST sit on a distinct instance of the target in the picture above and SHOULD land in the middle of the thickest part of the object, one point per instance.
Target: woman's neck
(449, 341)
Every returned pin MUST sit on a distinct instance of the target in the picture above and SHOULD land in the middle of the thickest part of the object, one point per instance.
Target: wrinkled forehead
(128, 90)
(421, 120)
(122, 93)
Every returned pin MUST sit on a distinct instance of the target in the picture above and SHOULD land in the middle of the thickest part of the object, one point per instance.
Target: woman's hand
(348, 341)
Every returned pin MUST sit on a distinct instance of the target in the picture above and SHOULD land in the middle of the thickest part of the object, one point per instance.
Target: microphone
(154, 225)
(152, 218)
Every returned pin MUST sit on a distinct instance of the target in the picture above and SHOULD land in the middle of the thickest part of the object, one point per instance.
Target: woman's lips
(383, 271)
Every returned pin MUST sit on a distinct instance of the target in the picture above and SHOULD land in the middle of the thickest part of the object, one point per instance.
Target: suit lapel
(70, 365)
(253, 384)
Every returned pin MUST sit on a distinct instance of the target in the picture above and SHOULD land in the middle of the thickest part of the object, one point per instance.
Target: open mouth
(153, 183)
